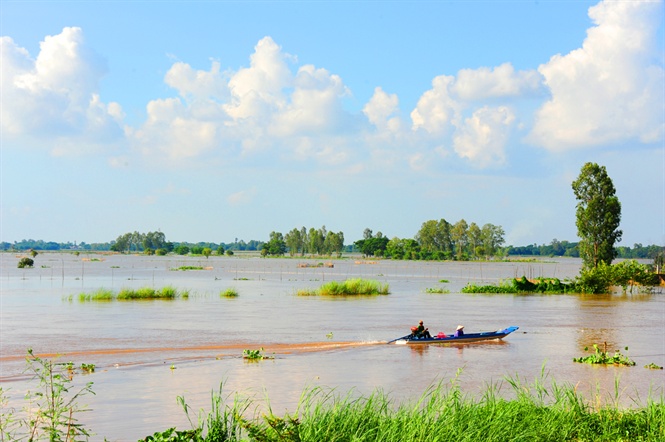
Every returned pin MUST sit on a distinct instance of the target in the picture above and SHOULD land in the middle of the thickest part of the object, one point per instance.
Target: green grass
(127, 294)
(442, 413)
(523, 285)
(98, 295)
(439, 290)
(185, 268)
(229, 293)
(355, 286)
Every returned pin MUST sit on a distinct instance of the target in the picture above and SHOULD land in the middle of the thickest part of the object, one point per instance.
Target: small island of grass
(350, 287)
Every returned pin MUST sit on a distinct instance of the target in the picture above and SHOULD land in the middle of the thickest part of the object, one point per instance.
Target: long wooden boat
(467, 337)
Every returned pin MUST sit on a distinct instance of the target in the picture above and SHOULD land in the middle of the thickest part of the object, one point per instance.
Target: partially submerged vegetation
(127, 294)
(255, 355)
(185, 268)
(229, 293)
(522, 285)
(349, 287)
(604, 358)
(625, 274)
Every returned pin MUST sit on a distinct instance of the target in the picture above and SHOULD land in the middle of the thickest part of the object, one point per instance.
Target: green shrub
(25, 262)
(229, 293)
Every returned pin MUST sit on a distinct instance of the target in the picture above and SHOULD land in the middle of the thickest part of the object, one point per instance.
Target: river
(147, 353)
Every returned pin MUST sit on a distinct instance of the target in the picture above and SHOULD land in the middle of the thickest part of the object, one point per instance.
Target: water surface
(148, 352)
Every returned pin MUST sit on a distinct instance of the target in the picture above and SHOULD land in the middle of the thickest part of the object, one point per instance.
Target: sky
(224, 120)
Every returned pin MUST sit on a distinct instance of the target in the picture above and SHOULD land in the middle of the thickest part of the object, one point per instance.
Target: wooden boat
(467, 337)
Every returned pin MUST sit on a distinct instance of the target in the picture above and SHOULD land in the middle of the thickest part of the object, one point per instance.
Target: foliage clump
(127, 294)
(603, 357)
(349, 287)
(229, 293)
(25, 262)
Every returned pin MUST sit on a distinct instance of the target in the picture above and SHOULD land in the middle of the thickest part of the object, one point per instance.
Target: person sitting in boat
(420, 331)
(460, 331)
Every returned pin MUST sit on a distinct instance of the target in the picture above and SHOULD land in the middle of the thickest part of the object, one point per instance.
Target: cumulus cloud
(437, 109)
(609, 90)
(482, 137)
(501, 81)
(54, 98)
(259, 89)
(197, 84)
(314, 105)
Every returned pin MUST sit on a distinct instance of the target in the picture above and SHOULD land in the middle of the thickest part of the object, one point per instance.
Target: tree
(460, 236)
(492, 237)
(207, 251)
(598, 215)
(276, 245)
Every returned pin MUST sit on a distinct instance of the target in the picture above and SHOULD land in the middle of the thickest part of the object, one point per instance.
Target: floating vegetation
(88, 368)
(523, 285)
(438, 290)
(653, 366)
(229, 293)
(603, 357)
(354, 286)
(127, 294)
(185, 268)
(443, 281)
(255, 355)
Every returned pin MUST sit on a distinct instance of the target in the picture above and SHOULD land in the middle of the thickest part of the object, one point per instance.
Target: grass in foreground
(355, 286)
(441, 414)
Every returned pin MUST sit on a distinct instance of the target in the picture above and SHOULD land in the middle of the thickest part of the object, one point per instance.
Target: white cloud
(54, 97)
(196, 83)
(381, 108)
(608, 90)
(242, 197)
(258, 89)
(172, 131)
(482, 137)
(314, 106)
(502, 81)
(437, 108)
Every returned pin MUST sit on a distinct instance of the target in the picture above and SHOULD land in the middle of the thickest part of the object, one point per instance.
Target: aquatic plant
(25, 262)
(603, 357)
(185, 268)
(255, 355)
(354, 286)
(523, 285)
(653, 366)
(229, 293)
(439, 290)
(126, 294)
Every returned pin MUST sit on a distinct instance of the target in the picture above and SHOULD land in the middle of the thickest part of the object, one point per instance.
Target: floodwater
(147, 353)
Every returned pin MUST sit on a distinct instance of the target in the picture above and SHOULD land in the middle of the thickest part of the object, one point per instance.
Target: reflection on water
(327, 342)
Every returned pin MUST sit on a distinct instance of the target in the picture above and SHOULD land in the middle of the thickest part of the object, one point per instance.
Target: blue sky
(218, 120)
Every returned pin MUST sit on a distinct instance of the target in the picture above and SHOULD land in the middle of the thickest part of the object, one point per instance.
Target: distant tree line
(310, 242)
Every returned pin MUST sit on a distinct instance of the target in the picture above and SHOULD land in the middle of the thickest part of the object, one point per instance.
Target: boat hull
(467, 338)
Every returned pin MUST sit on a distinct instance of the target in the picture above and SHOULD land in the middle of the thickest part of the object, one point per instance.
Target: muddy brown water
(147, 353)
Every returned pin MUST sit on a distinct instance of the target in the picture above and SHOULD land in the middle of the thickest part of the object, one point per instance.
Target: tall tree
(598, 215)
(459, 234)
